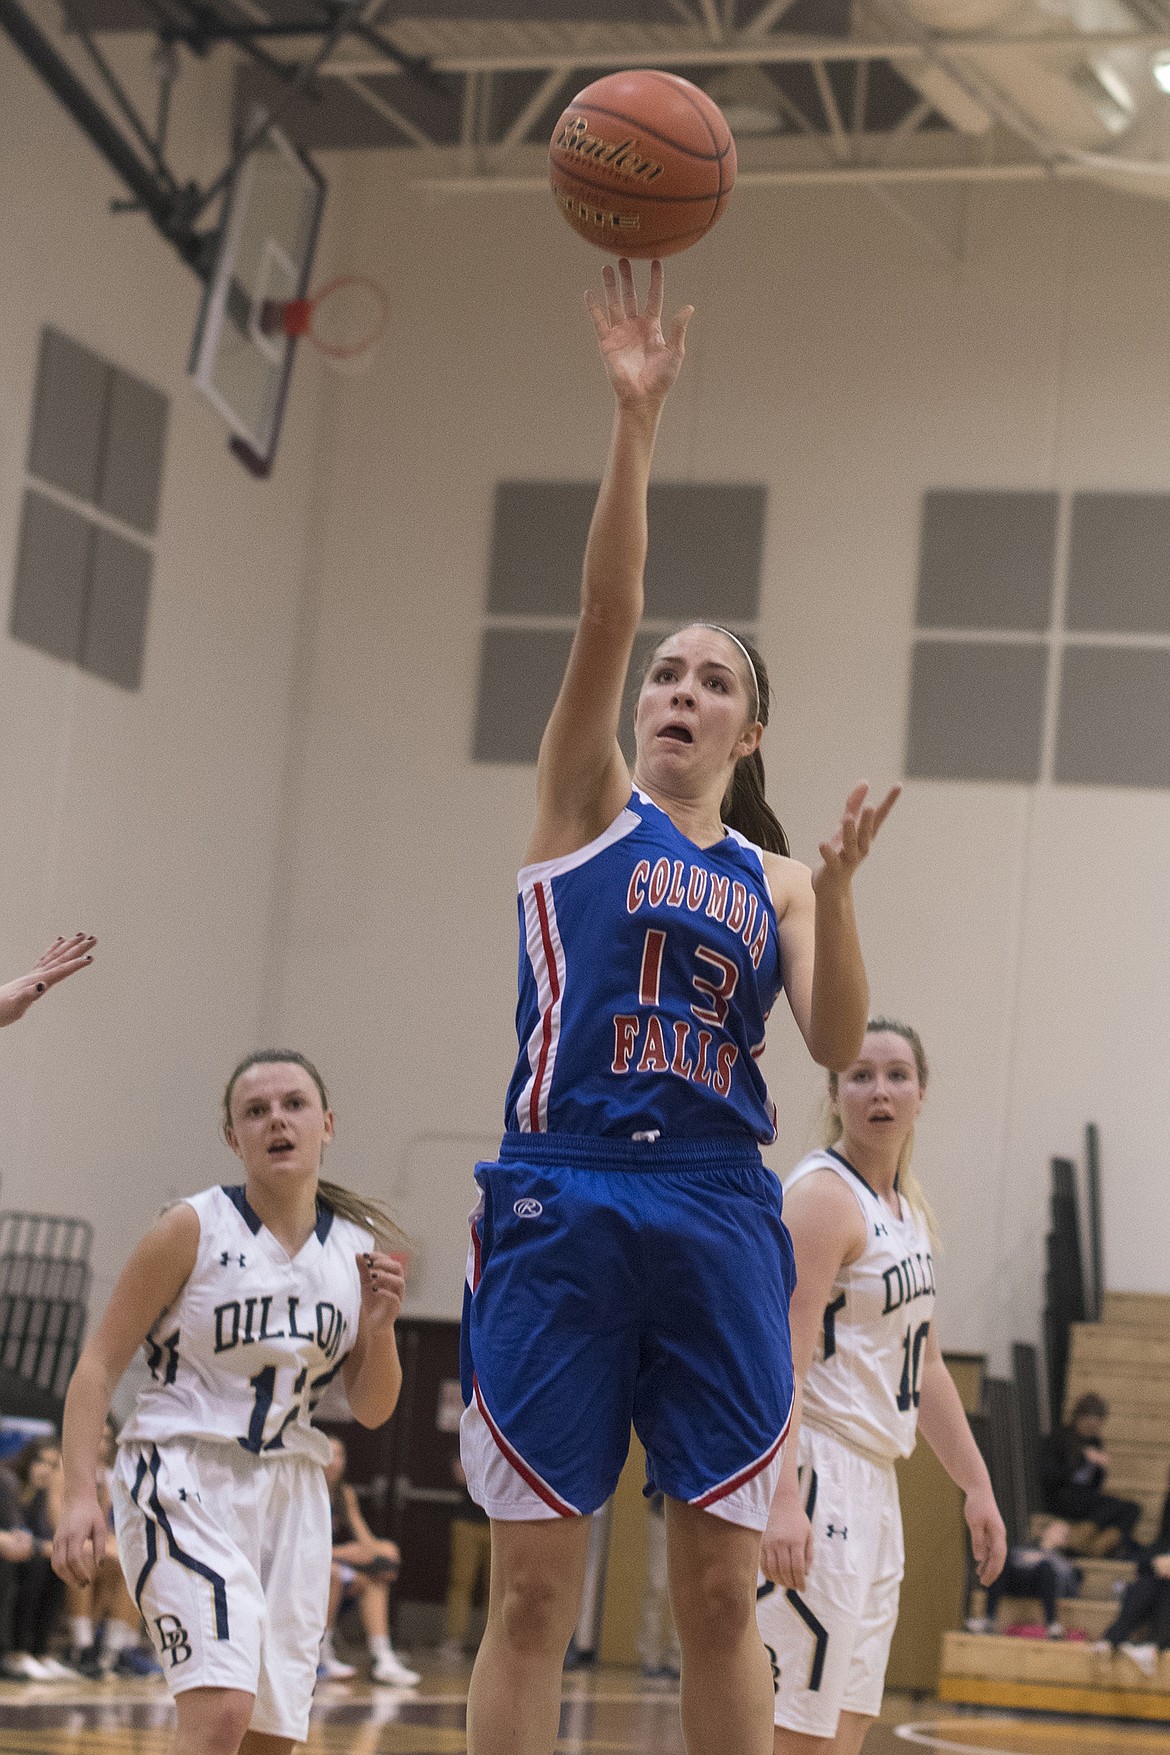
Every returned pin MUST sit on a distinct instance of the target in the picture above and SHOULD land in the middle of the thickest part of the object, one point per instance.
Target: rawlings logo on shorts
(528, 1209)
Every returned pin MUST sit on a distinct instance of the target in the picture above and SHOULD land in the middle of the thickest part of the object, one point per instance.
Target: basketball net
(344, 320)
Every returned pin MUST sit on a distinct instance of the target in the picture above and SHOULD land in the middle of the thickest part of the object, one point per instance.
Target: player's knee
(213, 1721)
(536, 1613)
(714, 1606)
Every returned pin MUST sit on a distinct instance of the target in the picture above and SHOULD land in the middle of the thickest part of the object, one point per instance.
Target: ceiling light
(1162, 72)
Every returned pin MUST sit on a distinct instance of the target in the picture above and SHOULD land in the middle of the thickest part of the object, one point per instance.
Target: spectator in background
(15, 1545)
(364, 1567)
(1073, 1468)
(470, 1563)
(1145, 1603)
(39, 1592)
(1037, 1569)
(65, 956)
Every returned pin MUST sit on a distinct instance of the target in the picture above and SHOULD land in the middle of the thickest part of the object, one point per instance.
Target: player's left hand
(65, 956)
(988, 1536)
(855, 835)
(383, 1279)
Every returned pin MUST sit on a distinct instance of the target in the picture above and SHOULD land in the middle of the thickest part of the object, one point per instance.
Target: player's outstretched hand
(383, 1280)
(855, 835)
(988, 1536)
(65, 956)
(641, 362)
(80, 1537)
(786, 1551)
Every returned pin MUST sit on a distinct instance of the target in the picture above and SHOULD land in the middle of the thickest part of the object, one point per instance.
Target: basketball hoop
(344, 321)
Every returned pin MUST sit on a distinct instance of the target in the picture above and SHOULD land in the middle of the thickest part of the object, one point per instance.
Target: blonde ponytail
(371, 1215)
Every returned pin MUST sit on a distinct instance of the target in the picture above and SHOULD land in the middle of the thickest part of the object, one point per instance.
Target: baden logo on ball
(642, 163)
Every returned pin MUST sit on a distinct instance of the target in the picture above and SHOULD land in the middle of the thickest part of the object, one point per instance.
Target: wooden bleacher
(1126, 1358)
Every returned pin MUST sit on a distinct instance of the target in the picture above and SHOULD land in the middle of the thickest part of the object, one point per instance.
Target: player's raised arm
(150, 1282)
(582, 778)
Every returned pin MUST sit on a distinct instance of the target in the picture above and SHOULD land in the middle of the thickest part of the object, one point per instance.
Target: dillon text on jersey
(236, 1324)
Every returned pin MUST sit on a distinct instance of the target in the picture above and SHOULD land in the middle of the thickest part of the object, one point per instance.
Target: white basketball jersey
(246, 1350)
(866, 1374)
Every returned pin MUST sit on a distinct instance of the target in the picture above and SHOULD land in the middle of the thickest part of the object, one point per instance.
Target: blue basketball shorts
(613, 1282)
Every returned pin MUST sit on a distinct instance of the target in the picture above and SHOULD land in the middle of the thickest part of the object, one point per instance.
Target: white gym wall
(282, 837)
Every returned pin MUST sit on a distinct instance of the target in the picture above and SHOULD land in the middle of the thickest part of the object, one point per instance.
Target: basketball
(642, 163)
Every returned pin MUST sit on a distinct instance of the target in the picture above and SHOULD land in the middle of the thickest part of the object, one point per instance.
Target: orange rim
(350, 350)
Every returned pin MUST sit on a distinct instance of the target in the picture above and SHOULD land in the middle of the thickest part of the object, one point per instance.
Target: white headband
(718, 628)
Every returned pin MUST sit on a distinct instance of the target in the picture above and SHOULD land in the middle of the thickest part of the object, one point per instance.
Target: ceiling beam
(971, 171)
(832, 113)
(712, 19)
(536, 105)
(765, 18)
(770, 52)
(374, 101)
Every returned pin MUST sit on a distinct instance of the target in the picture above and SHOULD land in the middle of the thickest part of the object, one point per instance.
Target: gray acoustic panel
(706, 547)
(69, 415)
(52, 578)
(119, 597)
(986, 560)
(976, 711)
(1113, 727)
(538, 539)
(520, 672)
(1119, 564)
(136, 432)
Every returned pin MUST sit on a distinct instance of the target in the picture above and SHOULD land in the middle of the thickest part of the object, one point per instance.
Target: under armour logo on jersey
(227, 1256)
(836, 1529)
(528, 1209)
(173, 1637)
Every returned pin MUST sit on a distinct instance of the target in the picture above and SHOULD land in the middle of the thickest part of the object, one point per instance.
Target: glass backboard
(241, 357)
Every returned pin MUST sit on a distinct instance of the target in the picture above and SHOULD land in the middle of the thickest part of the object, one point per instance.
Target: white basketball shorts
(830, 1642)
(227, 1557)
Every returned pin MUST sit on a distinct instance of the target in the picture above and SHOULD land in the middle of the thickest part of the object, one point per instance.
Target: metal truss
(435, 81)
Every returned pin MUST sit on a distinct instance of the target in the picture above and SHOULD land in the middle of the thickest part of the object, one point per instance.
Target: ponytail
(746, 809)
(371, 1215)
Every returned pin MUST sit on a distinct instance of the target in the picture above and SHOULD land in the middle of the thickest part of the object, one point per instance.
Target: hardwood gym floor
(608, 1713)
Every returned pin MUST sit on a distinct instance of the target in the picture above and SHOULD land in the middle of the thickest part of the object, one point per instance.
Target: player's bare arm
(64, 957)
(828, 1232)
(582, 777)
(824, 969)
(150, 1282)
(943, 1423)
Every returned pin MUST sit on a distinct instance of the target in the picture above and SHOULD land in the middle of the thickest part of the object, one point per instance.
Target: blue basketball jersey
(648, 967)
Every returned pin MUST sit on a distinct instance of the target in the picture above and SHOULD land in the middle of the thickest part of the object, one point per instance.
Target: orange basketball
(642, 163)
